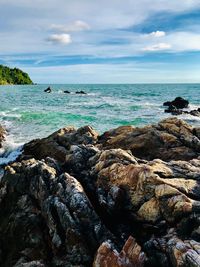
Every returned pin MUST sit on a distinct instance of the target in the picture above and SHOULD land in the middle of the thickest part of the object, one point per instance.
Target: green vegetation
(13, 76)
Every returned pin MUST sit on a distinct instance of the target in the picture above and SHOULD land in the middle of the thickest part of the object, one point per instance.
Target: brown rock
(57, 144)
(170, 139)
(130, 256)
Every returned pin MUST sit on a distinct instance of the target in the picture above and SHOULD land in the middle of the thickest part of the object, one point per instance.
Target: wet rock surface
(129, 197)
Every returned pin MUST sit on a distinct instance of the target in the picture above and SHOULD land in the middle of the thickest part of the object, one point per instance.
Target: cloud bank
(34, 33)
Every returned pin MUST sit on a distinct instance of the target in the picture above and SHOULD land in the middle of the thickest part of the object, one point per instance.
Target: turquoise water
(27, 112)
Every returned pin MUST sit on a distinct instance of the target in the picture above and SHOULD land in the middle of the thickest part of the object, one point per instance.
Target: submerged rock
(81, 93)
(83, 196)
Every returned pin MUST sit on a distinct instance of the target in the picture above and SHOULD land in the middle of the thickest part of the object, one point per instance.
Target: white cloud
(184, 41)
(75, 26)
(157, 47)
(63, 38)
(157, 34)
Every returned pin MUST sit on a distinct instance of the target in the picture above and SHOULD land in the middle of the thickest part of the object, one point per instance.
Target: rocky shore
(127, 198)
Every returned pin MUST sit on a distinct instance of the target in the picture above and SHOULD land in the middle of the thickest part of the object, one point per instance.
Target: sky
(104, 41)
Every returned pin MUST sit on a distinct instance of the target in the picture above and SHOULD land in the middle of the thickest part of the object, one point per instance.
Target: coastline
(82, 197)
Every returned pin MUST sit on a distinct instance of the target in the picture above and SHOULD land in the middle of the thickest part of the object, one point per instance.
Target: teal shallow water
(28, 112)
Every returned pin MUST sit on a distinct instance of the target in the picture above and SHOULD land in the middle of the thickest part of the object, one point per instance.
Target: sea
(27, 112)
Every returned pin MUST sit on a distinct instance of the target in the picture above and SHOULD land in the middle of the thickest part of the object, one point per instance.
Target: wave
(9, 115)
(9, 151)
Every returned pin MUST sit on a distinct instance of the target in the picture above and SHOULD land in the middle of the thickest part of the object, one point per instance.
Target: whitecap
(9, 151)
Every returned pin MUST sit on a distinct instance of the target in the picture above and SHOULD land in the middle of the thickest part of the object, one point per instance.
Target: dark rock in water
(195, 113)
(81, 92)
(174, 111)
(85, 196)
(176, 107)
(178, 102)
(66, 92)
(48, 90)
(168, 103)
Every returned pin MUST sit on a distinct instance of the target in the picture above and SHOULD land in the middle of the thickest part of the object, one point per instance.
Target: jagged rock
(45, 217)
(2, 135)
(172, 251)
(178, 103)
(154, 191)
(171, 139)
(83, 189)
(57, 144)
(131, 255)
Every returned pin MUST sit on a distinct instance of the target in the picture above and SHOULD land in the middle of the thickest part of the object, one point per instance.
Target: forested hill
(13, 76)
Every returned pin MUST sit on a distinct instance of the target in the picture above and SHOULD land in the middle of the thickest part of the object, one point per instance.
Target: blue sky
(90, 41)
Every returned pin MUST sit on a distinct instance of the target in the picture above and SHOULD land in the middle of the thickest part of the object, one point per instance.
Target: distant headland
(13, 76)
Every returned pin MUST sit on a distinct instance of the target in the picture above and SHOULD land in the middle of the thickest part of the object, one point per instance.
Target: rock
(170, 139)
(2, 135)
(85, 195)
(81, 92)
(66, 92)
(195, 113)
(60, 226)
(174, 111)
(178, 103)
(175, 107)
(130, 255)
(57, 144)
(48, 90)
(153, 191)
(172, 251)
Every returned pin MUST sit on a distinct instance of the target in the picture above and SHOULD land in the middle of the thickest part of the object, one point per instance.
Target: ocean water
(27, 112)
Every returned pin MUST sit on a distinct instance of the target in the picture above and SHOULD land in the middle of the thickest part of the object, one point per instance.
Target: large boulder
(170, 139)
(57, 144)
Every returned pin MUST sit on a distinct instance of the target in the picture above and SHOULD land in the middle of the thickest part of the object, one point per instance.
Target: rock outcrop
(178, 103)
(127, 198)
(170, 139)
(177, 106)
(57, 144)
